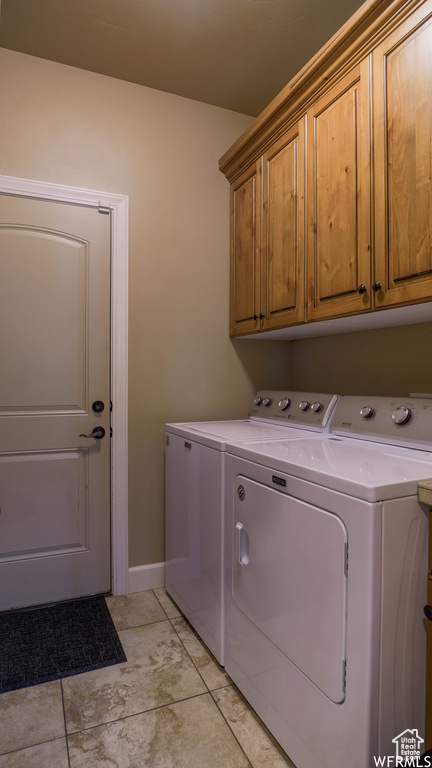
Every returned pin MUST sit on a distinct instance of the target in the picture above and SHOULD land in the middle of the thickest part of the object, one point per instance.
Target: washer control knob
(316, 407)
(257, 400)
(367, 412)
(401, 415)
(304, 405)
(284, 404)
(267, 401)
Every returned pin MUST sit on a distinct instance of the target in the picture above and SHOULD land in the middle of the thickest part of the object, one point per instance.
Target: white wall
(67, 126)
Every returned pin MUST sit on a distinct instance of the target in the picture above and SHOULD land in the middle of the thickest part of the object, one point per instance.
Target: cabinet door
(338, 173)
(245, 251)
(402, 77)
(282, 268)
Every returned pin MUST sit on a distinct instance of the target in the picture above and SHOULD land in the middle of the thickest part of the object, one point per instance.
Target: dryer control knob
(304, 405)
(401, 415)
(257, 400)
(285, 403)
(367, 412)
(316, 407)
(267, 401)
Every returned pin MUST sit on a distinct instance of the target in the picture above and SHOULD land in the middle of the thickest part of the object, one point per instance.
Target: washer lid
(366, 470)
(271, 413)
(217, 434)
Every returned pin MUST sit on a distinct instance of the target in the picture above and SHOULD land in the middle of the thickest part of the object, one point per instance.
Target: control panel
(310, 410)
(394, 420)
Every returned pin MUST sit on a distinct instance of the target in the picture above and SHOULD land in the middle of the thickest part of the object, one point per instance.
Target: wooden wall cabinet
(351, 267)
(363, 240)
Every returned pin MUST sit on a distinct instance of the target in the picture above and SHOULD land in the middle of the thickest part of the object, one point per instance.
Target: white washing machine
(194, 520)
(326, 574)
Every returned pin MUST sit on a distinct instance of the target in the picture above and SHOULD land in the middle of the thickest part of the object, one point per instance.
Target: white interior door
(55, 364)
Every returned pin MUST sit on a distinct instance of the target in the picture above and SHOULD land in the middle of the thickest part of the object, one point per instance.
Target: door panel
(403, 159)
(245, 250)
(55, 361)
(36, 380)
(290, 579)
(50, 514)
(339, 236)
(282, 269)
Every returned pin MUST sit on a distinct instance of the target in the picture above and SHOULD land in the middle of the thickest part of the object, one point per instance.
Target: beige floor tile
(52, 754)
(135, 609)
(31, 716)
(158, 671)
(261, 749)
(213, 675)
(167, 604)
(188, 734)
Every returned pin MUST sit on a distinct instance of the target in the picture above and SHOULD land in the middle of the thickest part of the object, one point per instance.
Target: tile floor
(169, 706)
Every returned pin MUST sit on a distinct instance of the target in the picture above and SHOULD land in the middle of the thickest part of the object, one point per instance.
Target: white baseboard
(144, 577)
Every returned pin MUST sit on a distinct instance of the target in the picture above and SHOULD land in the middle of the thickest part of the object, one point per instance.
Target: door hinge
(346, 560)
(344, 675)
(104, 209)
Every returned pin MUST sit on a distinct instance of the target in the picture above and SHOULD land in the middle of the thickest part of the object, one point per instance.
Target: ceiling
(236, 54)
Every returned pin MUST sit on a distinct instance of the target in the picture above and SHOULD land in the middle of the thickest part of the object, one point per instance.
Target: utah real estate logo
(408, 746)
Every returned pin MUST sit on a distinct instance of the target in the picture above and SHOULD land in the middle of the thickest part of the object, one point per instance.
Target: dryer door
(290, 580)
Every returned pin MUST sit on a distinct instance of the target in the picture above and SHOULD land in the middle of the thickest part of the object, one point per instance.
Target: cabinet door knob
(376, 286)
(255, 317)
(261, 315)
(362, 288)
(427, 610)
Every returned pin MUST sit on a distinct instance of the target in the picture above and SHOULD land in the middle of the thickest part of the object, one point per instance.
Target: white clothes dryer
(326, 574)
(194, 500)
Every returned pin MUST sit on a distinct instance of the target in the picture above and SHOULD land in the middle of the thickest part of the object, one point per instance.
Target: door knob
(376, 286)
(97, 433)
(362, 288)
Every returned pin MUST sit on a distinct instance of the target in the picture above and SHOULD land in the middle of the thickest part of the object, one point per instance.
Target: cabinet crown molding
(355, 40)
